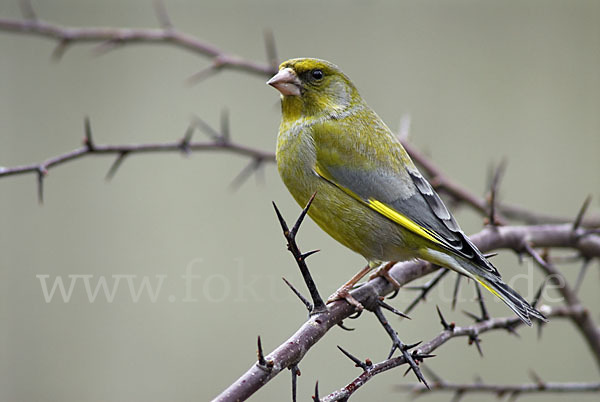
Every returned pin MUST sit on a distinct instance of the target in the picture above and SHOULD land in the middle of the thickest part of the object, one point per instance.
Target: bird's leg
(384, 272)
(343, 293)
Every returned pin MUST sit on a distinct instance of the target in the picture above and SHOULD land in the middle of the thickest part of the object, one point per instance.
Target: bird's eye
(316, 74)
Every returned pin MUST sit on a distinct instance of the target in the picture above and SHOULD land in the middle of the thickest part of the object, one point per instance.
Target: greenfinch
(370, 196)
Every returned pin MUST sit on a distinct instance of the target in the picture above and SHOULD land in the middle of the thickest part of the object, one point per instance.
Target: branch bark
(109, 38)
(510, 237)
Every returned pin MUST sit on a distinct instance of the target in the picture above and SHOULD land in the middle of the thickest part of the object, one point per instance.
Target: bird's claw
(343, 293)
(383, 271)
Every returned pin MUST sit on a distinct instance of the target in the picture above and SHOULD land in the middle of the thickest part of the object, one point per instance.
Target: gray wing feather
(412, 195)
(452, 235)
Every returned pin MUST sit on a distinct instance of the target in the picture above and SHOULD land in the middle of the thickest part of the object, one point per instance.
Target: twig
(123, 150)
(425, 289)
(443, 183)
(426, 349)
(493, 196)
(290, 235)
(110, 38)
(511, 237)
(584, 321)
(398, 344)
(501, 390)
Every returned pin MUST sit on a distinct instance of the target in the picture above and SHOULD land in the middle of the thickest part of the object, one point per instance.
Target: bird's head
(313, 87)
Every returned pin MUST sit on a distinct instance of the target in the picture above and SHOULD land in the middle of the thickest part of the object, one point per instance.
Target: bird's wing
(380, 174)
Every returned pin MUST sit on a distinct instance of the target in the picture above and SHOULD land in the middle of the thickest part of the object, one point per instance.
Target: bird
(368, 193)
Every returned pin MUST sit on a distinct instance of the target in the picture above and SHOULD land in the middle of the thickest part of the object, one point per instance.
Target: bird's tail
(508, 295)
(481, 270)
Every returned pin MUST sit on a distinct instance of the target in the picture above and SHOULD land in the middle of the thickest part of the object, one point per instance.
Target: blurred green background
(481, 80)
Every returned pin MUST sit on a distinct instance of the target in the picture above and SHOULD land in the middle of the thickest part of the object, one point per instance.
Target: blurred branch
(295, 348)
(501, 390)
(583, 320)
(449, 332)
(219, 142)
(111, 38)
(444, 184)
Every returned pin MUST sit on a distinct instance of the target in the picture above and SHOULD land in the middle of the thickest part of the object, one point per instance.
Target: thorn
(282, 222)
(115, 165)
(474, 339)
(207, 129)
(392, 309)
(538, 294)
(261, 356)
(513, 396)
(356, 360)
(581, 213)
(303, 299)
(581, 274)
(457, 396)
(342, 326)
(60, 49)
(456, 289)
(447, 327)
(41, 174)
(394, 294)
(355, 315)
(436, 378)
(316, 395)
(308, 254)
(296, 227)
(538, 258)
(250, 168)
(426, 288)
(89, 143)
(27, 10)
(511, 330)
(490, 255)
(412, 345)
(107, 46)
(484, 313)
(185, 141)
(499, 171)
(295, 374)
(203, 74)
(271, 49)
(225, 133)
(472, 316)
(537, 379)
(161, 15)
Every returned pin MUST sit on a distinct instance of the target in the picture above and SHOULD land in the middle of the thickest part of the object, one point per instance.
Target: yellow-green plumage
(370, 196)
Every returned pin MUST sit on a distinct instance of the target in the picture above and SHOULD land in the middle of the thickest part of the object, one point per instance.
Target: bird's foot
(343, 293)
(384, 272)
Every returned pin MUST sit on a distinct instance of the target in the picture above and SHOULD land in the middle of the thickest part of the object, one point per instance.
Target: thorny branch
(218, 142)
(450, 331)
(111, 38)
(295, 348)
(442, 183)
(501, 390)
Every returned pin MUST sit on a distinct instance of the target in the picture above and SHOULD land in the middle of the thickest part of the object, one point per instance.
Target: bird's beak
(286, 81)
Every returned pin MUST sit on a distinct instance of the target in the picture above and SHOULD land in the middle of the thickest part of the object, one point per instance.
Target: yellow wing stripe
(490, 289)
(400, 219)
(385, 210)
